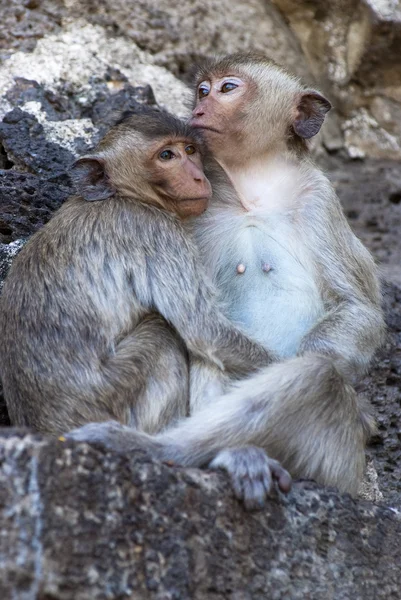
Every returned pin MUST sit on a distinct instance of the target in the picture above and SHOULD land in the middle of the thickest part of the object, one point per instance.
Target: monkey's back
(76, 289)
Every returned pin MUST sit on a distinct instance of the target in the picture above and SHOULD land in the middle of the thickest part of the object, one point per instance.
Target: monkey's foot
(112, 435)
(252, 473)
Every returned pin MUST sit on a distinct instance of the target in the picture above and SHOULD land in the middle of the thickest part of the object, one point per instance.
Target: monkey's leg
(300, 411)
(158, 394)
(207, 383)
(143, 383)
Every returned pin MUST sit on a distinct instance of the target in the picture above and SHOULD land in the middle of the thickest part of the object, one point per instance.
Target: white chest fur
(269, 186)
(260, 262)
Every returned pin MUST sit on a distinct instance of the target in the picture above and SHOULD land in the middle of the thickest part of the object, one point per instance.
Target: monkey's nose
(198, 111)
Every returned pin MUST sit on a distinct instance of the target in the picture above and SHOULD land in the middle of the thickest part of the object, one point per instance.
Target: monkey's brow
(172, 141)
(216, 75)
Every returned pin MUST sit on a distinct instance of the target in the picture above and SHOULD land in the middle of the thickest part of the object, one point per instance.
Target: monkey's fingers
(283, 478)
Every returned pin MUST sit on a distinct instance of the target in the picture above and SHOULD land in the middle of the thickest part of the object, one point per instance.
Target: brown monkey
(291, 273)
(102, 306)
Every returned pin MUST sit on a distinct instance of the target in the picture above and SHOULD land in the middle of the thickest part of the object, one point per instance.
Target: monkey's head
(246, 105)
(151, 157)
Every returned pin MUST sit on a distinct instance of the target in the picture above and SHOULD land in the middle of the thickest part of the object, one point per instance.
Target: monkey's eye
(190, 149)
(166, 155)
(203, 90)
(228, 87)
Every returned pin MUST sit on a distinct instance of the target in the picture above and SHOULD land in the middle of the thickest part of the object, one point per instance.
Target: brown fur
(316, 306)
(103, 305)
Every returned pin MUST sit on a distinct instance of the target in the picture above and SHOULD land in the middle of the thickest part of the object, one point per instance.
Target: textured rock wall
(81, 524)
(355, 46)
(352, 48)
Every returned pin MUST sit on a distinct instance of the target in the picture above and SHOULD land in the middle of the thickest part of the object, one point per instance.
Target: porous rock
(78, 522)
(72, 61)
(26, 203)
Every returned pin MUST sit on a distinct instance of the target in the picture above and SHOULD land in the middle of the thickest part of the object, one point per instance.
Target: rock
(24, 22)
(370, 192)
(74, 61)
(176, 34)
(82, 523)
(7, 253)
(382, 387)
(25, 143)
(353, 47)
(26, 203)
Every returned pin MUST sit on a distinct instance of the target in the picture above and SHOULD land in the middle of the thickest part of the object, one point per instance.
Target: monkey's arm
(353, 328)
(180, 292)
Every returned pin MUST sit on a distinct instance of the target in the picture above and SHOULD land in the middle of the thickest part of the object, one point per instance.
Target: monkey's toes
(104, 433)
(252, 473)
(283, 478)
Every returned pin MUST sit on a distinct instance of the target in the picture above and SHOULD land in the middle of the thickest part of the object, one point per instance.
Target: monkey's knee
(164, 395)
(252, 473)
(206, 383)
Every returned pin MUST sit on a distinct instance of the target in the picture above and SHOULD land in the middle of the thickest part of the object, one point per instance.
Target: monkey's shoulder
(117, 222)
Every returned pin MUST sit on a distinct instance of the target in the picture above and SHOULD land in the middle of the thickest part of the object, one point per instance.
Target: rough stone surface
(383, 388)
(24, 22)
(80, 523)
(353, 47)
(173, 33)
(178, 33)
(74, 60)
(26, 203)
(370, 192)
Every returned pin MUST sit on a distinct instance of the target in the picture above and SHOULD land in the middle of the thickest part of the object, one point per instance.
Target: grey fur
(103, 305)
(319, 308)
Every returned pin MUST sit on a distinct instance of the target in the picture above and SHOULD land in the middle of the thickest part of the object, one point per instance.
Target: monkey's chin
(192, 207)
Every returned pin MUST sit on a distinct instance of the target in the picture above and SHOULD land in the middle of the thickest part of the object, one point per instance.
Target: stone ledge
(78, 522)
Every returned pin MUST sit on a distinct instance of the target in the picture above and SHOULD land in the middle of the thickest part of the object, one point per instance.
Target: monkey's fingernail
(266, 267)
(62, 439)
(241, 268)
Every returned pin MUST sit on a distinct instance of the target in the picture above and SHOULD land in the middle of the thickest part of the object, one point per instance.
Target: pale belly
(275, 299)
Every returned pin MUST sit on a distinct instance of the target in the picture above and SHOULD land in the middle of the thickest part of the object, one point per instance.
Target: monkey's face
(178, 178)
(220, 112)
(248, 108)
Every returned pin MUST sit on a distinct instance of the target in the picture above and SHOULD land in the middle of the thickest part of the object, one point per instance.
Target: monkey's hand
(252, 473)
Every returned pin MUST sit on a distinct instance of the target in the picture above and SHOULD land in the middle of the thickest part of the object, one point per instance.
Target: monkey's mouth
(204, 127)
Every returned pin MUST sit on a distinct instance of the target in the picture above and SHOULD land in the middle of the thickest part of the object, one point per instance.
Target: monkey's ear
(311, 110)
(90, 179)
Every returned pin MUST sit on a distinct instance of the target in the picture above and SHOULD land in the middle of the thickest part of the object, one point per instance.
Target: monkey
(105, 305)
(290, 272)
(287, 237)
